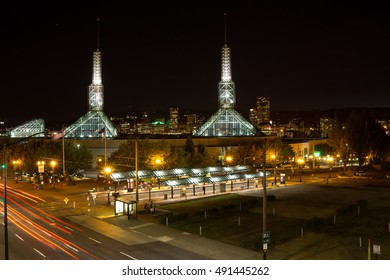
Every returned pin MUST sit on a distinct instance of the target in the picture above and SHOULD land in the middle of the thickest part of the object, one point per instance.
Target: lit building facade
(33, 128)
(174, 118)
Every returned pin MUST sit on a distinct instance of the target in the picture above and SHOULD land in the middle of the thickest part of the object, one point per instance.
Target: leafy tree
(379, 142)
(149, 151)
(189, 147)
(337, 138)
(357, 134)
(170, 156)
(255, 150)
(76, 156)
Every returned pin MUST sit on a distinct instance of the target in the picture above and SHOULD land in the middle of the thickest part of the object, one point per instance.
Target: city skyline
(161, 55)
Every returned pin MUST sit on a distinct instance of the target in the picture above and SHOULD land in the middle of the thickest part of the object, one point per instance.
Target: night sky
(162, 54)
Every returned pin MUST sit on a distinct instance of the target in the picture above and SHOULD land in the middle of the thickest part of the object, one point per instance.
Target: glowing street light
(228, 159)
(53, 164)
(107, 170)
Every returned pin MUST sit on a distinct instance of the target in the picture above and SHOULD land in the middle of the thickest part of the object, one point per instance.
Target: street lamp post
(330, 161)
(300, 162)
(16, 164)
(4, 166)
(274, 158)
(264, 185)
(53, 164)
(107, 171)
(158, 162)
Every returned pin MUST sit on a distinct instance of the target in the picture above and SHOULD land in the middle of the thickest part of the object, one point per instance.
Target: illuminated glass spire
(95, 120)
(226, 88)
(95, 90)
(226, 121)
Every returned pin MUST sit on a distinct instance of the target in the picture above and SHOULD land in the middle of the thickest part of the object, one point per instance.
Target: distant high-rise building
(253, 117)
(95, 123)
(174, 117)
(263, 109)
(226, 121)
(326, 125)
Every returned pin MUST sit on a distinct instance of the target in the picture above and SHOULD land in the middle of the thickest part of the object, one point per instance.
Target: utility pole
(264, 181)
(63, 153)
(4, 166)
(136, 171)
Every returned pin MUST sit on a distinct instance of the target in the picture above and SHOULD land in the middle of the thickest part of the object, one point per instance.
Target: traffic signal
(3, 166)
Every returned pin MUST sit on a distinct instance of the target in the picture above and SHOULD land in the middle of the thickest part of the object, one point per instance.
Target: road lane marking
(130, 257)
(39, 253)
(73, 248)
(69, 228)
(19, 237)
(97, 241)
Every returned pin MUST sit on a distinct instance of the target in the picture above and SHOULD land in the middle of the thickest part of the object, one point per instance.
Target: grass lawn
(230, 218)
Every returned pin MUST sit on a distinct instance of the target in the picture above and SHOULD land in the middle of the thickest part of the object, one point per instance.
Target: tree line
(161, 154)
(362, 136)
(77, 156)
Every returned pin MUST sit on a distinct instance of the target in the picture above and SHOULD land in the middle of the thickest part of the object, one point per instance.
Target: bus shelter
(128, 208)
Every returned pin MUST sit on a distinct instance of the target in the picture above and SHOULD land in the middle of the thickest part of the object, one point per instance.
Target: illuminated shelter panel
(33, 128)
(226, 122)
(94, 124)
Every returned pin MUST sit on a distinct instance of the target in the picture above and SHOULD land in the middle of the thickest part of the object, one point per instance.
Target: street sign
(266, 237)
(66, 200)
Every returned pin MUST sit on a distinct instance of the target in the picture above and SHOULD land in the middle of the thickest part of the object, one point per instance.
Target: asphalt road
(34, 234)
